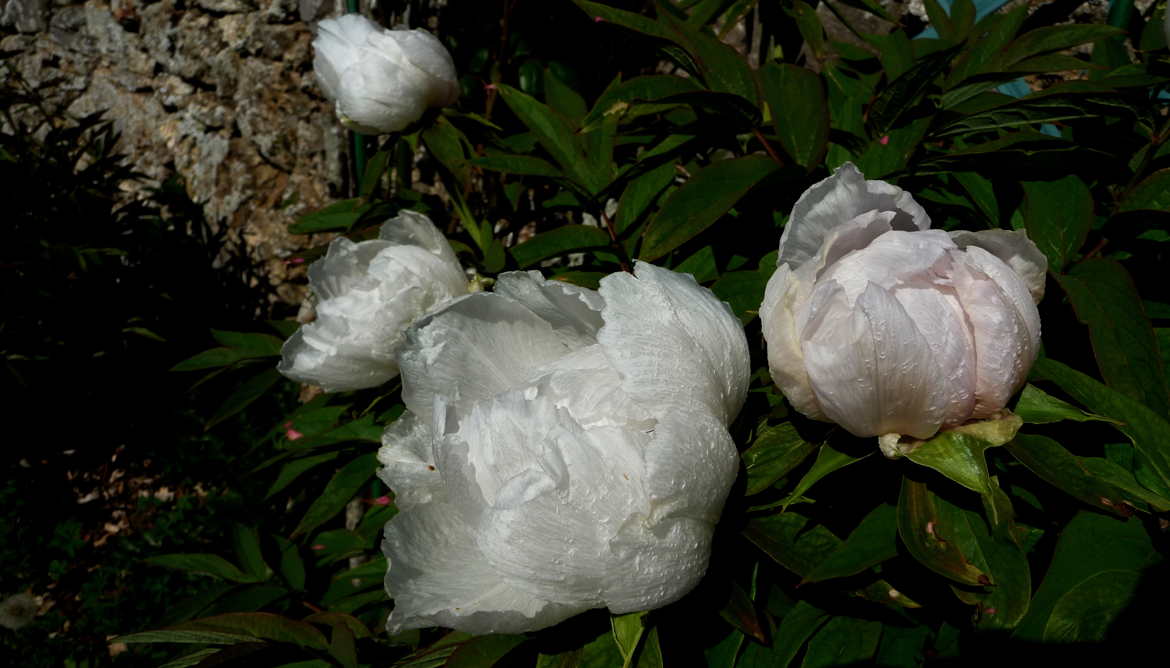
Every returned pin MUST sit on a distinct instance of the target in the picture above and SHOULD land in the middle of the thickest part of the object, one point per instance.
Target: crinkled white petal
(408, 461)
(549, 518)
(574, 312)
(837, 200)
(474, 348)
(1005, 325)
(1014, 248)
(676, 345)
(369, 293)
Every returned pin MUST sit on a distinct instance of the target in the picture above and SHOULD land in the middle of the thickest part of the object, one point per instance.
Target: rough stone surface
(218, 92)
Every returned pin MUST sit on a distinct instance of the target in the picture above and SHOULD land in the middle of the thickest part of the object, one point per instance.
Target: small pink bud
(382, 501)
(884, 140)
(489, 86)
(292, 434)
(598, 19)
(318, 547)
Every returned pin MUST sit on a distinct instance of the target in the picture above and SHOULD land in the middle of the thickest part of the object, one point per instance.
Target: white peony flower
(368, 293)
(886, 327)
(564, 449)
(381, 80)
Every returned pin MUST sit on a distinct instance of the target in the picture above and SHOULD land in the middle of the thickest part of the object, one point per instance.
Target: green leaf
(337, 216)
(630, 20)
(959, 453)
(249, 344)
(930, 539)
(792, 540)
(722, 69)
(189, 660)
(701, 201)
(701, 265)
(1104, 298)
(247, 392)
(1153, 193)
(1053, 38)
(211, 359)
(1086, 613)
(372, 174)
(185, 637)
(211, 564)
(829, 459)
(556, 135)
(340, 489)
(293, 469)
(448, 145)
(564, 239)
(483, 651)
(800, 111)
(601, 652)
(246, 541)
(1089, 545)
(905, 92)
(262, 625)
(1148, 431)
(1058, 215)
(1058, 467)
(740, 612)
(523, 165)
(774, 454)
(640, 193)
(627, 633)
(843, 641)
(292, 566)
(1006, 601)
(872, 542)
(619, 98)
(560, 96)
(1038, 407)
(744, 290)
(796, 627)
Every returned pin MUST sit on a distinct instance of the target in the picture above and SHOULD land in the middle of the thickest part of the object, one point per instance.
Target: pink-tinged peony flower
(888, 328)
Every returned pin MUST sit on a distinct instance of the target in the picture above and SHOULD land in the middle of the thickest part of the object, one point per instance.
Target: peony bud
(564, 449)
(886, 327)
(369, 293)
(381, 80)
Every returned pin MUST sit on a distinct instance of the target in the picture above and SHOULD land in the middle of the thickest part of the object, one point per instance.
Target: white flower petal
(381, 80)
(784, 294)
(408, 461)
(574, 312)
(835, 201)
(891, 259)
(438, 576)
(1014, 248)
(475, 348)
(674, 342)
(1005, 324)
(369, 293)
(872, 369)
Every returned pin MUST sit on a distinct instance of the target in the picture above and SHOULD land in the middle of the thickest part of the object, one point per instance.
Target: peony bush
(593, 415)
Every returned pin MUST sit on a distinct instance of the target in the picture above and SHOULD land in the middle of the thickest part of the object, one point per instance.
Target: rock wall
(218, 92)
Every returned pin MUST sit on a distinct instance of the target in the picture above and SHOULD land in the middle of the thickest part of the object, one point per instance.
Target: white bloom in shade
(18, 611)
(381, 80)
(368, 293)
(888, 328)
(564, 449)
